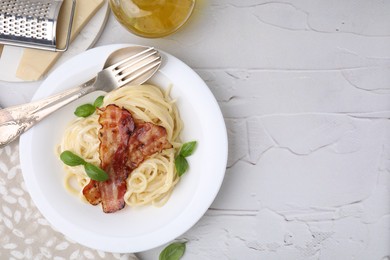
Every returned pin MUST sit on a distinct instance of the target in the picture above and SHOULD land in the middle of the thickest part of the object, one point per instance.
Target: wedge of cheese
(34, 64)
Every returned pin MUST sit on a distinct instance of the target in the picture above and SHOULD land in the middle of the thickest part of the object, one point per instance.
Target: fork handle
(15, 120)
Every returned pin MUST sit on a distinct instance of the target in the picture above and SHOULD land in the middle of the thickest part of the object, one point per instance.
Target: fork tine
(140, 71)
(130, 58)
(133, 62)
(125, 73)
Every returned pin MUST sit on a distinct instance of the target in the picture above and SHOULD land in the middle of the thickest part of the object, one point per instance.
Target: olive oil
(152, 18)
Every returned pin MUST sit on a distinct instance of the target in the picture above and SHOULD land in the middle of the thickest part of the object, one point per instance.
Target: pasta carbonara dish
(142, 119)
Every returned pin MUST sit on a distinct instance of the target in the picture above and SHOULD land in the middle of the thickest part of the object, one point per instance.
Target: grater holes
(22, 8)
(28, 19)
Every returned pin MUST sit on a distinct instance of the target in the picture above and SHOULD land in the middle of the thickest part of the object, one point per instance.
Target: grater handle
(69, 29)
(15, 120)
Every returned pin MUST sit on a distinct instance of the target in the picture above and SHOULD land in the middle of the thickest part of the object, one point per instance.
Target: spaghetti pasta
(151, 182)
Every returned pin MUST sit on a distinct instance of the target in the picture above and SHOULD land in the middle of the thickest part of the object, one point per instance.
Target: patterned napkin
(24, 232)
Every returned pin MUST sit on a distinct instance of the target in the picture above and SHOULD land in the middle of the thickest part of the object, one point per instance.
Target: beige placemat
(24, 232)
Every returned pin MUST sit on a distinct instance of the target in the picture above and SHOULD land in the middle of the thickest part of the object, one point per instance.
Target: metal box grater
(32, 23)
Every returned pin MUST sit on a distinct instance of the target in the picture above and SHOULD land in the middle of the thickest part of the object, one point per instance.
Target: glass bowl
(152, 18)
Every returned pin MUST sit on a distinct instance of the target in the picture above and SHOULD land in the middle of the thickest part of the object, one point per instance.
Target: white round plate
(131, 229)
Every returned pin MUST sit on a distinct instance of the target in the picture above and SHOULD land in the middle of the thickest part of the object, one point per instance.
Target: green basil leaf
(181, 165)
(95, 173)
(84, 110)
(188, 149)
(71, 159)
(98, 102)
(173, 252)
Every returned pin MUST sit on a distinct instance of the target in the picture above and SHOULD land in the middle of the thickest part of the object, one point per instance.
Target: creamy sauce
(152, 18)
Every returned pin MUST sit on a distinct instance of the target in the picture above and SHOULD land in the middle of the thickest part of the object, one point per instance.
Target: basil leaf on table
(71, 159)
(181, 165)
(84, 110)
(95, 173)
(173, 252)
(188, 149)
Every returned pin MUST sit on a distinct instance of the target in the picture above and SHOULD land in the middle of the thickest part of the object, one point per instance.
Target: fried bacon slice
(146, 140)
(124, 145)
(91, 192)
(117, 127)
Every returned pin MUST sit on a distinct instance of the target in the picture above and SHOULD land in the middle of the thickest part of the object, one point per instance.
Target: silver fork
(135, 64)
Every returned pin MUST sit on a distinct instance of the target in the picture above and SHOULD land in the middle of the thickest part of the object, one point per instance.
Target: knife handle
(15, 120)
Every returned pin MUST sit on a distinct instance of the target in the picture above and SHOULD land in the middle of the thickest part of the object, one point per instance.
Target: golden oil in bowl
(152, 18)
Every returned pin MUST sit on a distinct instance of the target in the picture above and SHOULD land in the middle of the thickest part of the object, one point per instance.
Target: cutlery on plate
(135, 65)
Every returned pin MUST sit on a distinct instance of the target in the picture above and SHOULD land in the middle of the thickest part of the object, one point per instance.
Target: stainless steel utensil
(135, 64)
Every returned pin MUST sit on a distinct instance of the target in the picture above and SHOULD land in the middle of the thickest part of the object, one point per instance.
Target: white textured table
(304, 87)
